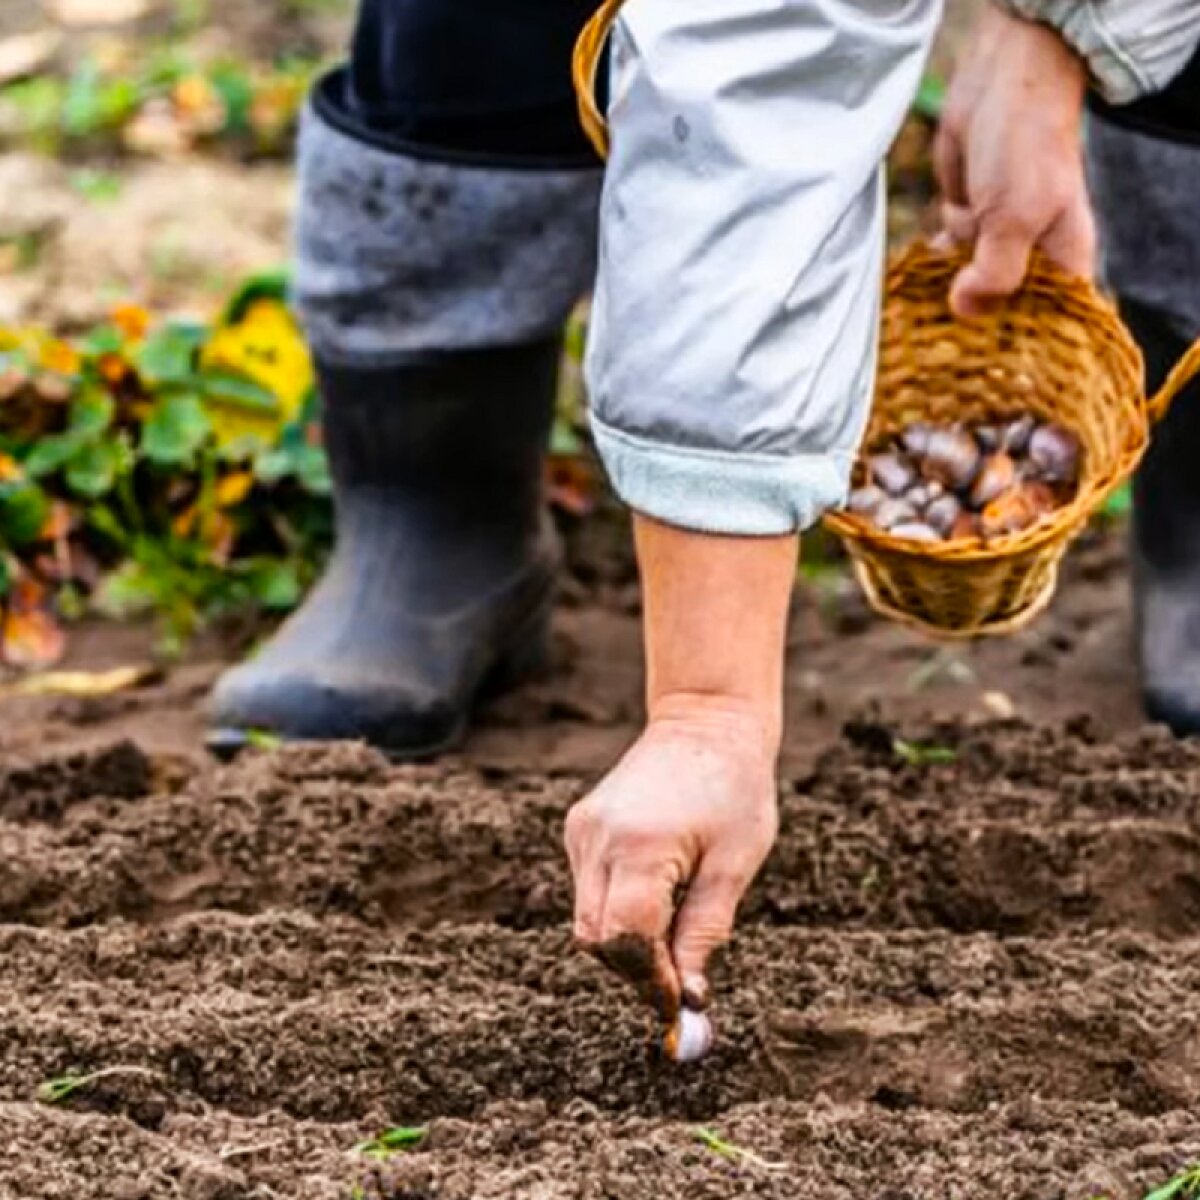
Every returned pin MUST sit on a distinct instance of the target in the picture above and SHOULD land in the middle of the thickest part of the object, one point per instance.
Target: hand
(1009, 159)
(691, 806)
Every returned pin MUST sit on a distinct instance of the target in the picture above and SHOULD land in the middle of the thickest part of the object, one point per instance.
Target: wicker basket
(1057, 350)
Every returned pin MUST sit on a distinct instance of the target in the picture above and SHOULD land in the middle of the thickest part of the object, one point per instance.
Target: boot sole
(526, 657)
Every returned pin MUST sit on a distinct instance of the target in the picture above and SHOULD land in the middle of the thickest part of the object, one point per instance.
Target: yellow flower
(57, 356)
(233, 489)
(274, 107)
(267, 348)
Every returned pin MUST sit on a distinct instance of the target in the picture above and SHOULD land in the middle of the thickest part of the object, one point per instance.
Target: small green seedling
(392, 1141)
(63, 1087)
(1185, 1186)
(263, 739)
(931, 98)
(924, 754)
(713, 1141)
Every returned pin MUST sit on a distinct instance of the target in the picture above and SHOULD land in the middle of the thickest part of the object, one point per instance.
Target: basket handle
(1184, 371)
(589, 50)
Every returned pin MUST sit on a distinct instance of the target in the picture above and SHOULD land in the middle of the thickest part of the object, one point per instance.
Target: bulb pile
(943, 483)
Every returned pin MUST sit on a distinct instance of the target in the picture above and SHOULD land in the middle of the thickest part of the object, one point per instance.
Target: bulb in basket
(946, 483)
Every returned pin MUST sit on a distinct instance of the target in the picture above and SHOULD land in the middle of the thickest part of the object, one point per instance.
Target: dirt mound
(1025, 830)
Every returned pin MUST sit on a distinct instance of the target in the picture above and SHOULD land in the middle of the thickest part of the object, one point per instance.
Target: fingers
(703, 924)
(949, 165)
(959, 224)
(1071, 241)
(633, 935)
(623, 912)
(591, 890)
(997, 268)
(1003, 246)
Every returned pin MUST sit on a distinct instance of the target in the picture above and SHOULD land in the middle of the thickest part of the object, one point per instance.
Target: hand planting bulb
(690, 1038)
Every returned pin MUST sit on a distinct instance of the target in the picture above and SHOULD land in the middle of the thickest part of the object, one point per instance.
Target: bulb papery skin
(690, 1038)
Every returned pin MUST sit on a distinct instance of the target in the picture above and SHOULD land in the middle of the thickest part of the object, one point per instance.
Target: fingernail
(696, 994)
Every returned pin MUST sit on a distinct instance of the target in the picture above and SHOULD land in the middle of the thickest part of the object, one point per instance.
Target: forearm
(1132, 47)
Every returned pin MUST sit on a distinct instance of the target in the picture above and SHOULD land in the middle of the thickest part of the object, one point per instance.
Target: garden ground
(969, 970)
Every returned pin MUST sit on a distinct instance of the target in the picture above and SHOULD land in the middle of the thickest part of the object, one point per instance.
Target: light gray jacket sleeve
(735, 315)
(1132, 47)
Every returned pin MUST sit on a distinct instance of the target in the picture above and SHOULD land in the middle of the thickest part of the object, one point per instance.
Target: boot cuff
(396, 254)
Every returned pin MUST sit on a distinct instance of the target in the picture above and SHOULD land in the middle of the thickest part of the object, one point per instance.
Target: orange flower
(112, 367)
(29, 635)
(199, 104)
(58, 522)
(132, 320)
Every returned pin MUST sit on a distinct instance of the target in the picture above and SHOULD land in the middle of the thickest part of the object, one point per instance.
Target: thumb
(703, 924)
(996, 270)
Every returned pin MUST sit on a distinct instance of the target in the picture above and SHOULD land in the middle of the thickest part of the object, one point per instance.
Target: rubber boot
(1166, 538)
(441, 582)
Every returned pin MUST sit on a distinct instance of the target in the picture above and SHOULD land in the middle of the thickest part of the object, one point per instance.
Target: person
(447, 225)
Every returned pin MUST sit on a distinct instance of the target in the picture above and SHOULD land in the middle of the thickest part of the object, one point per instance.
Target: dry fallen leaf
(999, 705)
(97, 12)
(27, 53)
(86, 683)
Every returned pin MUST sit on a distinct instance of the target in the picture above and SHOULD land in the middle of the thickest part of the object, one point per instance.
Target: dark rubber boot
(441, 582)
(1166, 538)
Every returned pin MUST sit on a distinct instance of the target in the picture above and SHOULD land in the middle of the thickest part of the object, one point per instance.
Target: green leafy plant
(399, 1140)
(923, 754)
(1185, 1186)
(172, 469)
(713, 1141)
(1119, 504)
(163, 103)
(63, 1087)
(931, 98)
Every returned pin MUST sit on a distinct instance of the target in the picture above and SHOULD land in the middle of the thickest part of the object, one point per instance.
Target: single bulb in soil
(690, 1038)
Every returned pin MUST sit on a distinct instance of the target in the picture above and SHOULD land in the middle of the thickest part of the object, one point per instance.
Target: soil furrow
(279, 1012)
(1024, 1150)
(983, 843)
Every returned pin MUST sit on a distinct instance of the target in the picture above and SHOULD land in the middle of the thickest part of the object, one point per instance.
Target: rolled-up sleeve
(1132, 47)
(735, 317)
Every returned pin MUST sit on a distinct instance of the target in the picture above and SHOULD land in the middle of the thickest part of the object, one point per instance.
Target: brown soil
(973, 979)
